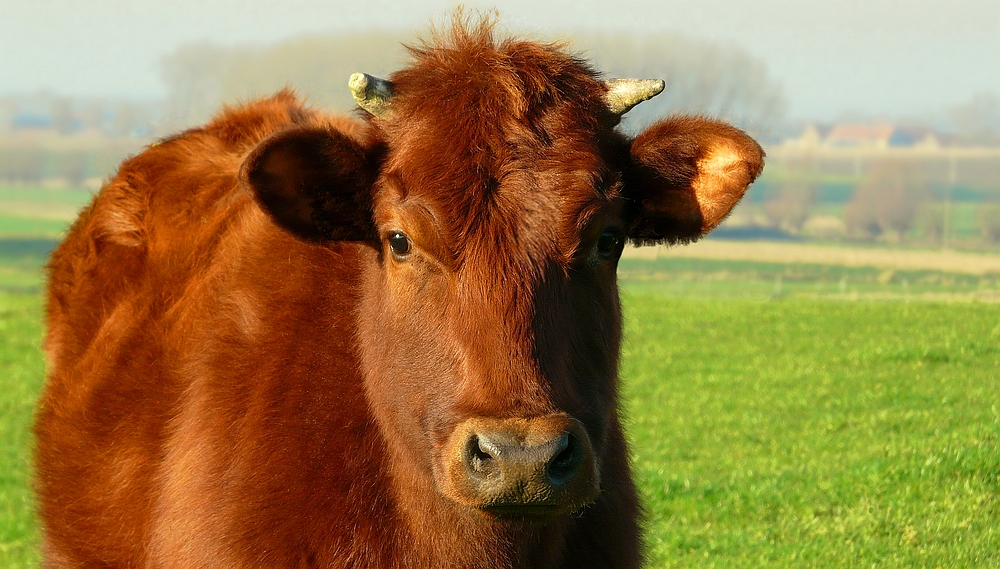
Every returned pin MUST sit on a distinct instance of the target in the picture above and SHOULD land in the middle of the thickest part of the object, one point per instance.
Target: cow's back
(190, 343)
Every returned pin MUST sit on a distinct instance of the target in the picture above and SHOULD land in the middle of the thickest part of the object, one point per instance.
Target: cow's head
(496, 196)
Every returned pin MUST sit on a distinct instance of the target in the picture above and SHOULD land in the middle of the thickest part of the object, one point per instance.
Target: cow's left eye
(609, 242)
(399, 244)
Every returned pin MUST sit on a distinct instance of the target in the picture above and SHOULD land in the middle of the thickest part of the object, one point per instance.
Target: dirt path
(771, 252)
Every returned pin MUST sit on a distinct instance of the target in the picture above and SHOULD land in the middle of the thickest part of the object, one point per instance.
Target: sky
(874, 57)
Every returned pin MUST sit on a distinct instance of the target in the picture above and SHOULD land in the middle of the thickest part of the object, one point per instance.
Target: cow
(389, 340)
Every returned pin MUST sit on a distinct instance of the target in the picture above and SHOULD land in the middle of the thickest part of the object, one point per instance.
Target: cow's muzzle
(520, 467)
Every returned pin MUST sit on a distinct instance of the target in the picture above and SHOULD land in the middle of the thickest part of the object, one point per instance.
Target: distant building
(859, 136)
(915, 137)
(28, 120)
(866, 136)
(812, 136)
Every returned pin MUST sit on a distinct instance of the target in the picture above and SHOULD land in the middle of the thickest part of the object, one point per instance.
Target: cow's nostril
(481, 455)
(564, 465)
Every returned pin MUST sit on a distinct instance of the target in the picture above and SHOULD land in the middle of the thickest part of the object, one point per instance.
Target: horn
(371, 93)
(623, 94)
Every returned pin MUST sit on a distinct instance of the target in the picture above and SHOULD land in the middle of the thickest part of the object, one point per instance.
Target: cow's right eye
(399, 244)
(609, 242)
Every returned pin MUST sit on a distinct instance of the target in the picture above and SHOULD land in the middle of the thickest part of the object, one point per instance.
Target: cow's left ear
(685, 175)
(314, 182)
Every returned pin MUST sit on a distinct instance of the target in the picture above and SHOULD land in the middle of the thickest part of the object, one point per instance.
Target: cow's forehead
(469, 101)
(530, 199)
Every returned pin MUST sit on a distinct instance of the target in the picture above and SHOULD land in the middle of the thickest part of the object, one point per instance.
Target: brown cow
(286, 339)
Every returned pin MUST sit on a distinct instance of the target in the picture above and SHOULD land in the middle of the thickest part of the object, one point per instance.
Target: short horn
(371, 93)
(623, 94)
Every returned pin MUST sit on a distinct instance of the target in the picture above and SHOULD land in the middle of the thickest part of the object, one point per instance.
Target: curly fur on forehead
(510, 76)
(481, 124)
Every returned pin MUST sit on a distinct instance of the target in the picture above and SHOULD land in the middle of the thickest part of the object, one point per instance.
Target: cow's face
(492, 325)
(496, 199)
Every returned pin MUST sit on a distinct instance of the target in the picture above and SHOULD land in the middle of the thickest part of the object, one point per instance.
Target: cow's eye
(609, 242)
(399, 244)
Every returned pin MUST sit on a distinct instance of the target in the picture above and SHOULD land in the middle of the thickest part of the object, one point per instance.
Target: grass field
(805, 253)
(38, 212)
(791, 433)
(815, 433)
(681, 276)
(21, 372)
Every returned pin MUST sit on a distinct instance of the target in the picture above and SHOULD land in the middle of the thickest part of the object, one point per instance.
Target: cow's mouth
(534, 512)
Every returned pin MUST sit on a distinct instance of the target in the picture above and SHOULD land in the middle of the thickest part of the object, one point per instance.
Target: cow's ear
(315, 182)
(685, 175)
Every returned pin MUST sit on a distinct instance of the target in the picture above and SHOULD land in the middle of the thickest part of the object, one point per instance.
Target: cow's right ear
(314, 182)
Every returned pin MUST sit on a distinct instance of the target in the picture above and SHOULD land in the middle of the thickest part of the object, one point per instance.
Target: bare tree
(789, 207)
(930, 219)
(194, 76)
(721, 80)
(978, 121)
(22, 165)
(988, 219)
(73, 166)
(887, 199)
(200, 78)
(61, 109)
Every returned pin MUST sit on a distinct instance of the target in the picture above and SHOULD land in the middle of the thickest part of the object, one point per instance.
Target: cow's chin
(534, 470)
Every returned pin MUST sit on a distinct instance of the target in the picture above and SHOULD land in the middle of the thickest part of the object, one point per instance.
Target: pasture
(780, 415)
(815, 433)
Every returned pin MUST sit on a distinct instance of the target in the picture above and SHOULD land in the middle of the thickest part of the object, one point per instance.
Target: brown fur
(242, 374)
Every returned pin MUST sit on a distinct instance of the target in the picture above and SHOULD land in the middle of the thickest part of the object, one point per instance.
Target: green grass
(21, 371)
(705, 278)
(812, 433)
(795, 432)
(16, 225)
(39, 212)
(74, 196)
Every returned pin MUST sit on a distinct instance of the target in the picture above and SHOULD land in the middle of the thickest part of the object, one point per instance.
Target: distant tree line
(893, 199)
(202, 77)
(47, 111)
(702, 77)
(75, 168)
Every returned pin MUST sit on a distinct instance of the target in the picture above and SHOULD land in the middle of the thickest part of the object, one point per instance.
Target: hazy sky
(874, 56)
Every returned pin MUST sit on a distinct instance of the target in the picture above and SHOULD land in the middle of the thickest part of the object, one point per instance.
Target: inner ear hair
(314, 182)
(725, 171)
